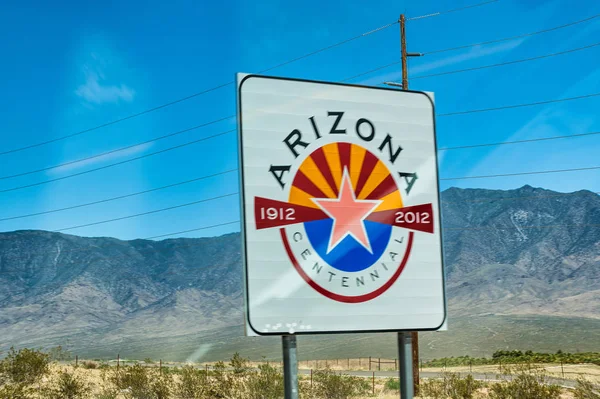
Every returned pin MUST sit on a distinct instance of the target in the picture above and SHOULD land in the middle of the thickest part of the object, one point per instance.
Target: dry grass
(96, 377)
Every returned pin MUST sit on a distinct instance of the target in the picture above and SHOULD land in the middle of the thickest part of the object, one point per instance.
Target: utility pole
(414, 335)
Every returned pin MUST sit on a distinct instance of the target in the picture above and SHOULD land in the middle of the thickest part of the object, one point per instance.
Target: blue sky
(75, 66)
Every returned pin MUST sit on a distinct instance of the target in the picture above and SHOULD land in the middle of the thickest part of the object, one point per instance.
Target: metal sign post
(406, 365)
(290, 366)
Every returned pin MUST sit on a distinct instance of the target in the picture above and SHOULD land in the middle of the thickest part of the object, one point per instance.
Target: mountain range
(521, 256)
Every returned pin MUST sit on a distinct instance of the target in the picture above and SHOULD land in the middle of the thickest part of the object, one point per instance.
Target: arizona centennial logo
(343, 214)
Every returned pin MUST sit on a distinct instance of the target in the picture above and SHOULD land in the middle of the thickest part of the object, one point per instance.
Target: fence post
(348, 363)
(379, 364)
(206, 368)
(359, 363)
(160, 366)
(76, 360)
(311, 378)
(470, 366)
(369, 363)
(373, 383)
(562, 369)
(118, 361)
(396, 364)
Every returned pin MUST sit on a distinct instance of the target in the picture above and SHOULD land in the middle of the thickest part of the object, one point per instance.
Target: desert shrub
(192, 384)
(59, 354)
(68, 386)
(16, 391)
(525, 386)
(25, 366)
(392, 384)
(148, 361)
(330, 385)
(266, 383)
(239, 364)
(516, 356)
(451, 385)
(220, 384)
(162, 386)
(585, 390)
(131, 378)
(89, 365)
(137, 382)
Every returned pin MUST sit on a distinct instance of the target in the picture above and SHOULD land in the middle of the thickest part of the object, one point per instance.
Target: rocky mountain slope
(520, 252)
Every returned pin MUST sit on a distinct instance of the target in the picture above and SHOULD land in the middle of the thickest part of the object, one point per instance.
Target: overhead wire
(197, 94)
(237, 193)
(146, 213)
(229, 131)
(120, 196)
(519, 105)
(117, 163)
(481, 44)
(192, 230)
(539, 57)
(569, 136)
(435, 14)
(117, 149)
(512, 37)
(344, 80)
(233, 116)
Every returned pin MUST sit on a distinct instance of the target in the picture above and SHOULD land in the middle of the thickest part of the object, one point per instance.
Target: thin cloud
(108, 157)
(95, 92)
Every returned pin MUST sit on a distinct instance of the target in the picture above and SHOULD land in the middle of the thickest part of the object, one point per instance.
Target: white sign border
(249, 330)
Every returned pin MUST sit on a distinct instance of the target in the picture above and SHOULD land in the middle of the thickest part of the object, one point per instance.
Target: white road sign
(340, 205)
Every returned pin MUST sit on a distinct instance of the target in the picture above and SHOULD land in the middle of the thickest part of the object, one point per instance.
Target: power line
(233, 116)
(522, 173)
(512, 37)
(229, 131)
(371, 71)
(113, 122)
(118, 149)
(435, 14)
(118, 163)
(520, 105)
(192, 230)
(570, 136)
(146, 213)
(506, 62)
(119, 197)
(234, 170)
(479, 44)
(191, 96)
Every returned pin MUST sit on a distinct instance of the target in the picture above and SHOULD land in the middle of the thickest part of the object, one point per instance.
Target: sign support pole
(290, 366)
(414, 343)
(406, 365)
